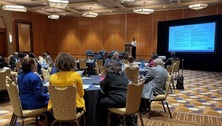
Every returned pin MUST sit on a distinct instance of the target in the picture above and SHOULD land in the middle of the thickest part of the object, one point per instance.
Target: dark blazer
(170, 60)
(114, 86)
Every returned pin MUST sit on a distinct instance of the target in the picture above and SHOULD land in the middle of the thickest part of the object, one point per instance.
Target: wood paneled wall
(75, 35)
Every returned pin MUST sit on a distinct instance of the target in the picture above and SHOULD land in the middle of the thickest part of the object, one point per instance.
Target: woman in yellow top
(66, 76)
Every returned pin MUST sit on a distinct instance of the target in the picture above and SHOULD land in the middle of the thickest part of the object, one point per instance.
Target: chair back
(132, 74)
(63, 101)
(14, 97)
(17, 65)
(167, 85)
(3, 75)
(89, 53)
(97, 68)
(169, 68)
(82, 63)
(133, 97)
(7, 60)
(124, 61)
(177, 65)
(45, 74)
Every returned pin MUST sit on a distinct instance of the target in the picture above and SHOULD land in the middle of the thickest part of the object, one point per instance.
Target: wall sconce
(10, 38)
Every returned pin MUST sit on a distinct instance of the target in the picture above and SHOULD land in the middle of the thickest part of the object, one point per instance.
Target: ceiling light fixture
(58, 3)
(90, 14)
(14, 8)
(128, 1)
(53, 16)
(143, 10)
(198, 6)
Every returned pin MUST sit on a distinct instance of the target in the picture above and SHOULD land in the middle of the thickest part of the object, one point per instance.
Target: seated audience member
(170, 60)
(131, 63)
(106, 59)
(113, 89)
(30, 87)
(48, 58)
(155, 80)
(13, 60)
(151, 61)
(116, 58)
(2, 63)
(126, 55)
(32, 55)
(66, 76)
(21, 57)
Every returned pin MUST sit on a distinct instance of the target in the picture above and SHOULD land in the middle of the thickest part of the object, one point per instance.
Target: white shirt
(133, 43)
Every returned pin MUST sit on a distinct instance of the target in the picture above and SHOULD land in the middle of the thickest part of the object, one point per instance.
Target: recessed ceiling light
(95, 4)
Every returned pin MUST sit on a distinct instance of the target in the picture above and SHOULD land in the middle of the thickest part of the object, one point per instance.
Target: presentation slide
(192, 38)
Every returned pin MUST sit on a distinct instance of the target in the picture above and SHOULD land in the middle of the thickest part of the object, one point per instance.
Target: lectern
(128, 48)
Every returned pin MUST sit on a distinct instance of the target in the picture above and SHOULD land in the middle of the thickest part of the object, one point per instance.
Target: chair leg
(108, 121)
(36, 120)
(171, 89)
(23, 123)
(84, 119)
(149, 111)
(77, 122)
(124, 121)
(141, 119)
(163, 106)
(12, 119)
(168, 109)
(172, 82)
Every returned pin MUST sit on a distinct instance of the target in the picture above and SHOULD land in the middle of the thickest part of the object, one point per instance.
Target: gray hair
(158, 61)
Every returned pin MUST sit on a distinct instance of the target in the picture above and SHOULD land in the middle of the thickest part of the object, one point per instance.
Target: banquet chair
(124, 61)
(103, 52)
(133, 98)
(18, 66)
(3, 75)
(89, 53)
(132, 74)
(100, 66)
(45, 74)
(162, 97)
(176, 67)
(170, 69)
(97, 69)
(64, 104)
(17, 107)
(82, 65)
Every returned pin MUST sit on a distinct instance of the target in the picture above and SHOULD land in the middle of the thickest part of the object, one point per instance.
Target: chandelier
(58, 3)
(53, 16)
(14, 8)
(127, 1)
(198, 6)
(143, 10)
(90, 14)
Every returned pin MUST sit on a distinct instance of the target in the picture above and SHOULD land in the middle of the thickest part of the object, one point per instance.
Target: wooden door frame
(5, 51)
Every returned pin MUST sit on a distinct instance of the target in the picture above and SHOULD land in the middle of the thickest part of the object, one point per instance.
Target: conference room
(158, 27)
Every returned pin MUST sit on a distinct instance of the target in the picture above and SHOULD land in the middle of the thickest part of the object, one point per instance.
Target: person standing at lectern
(133, 43)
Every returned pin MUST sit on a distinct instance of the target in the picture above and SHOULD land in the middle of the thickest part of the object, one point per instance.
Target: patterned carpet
(202, 96)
